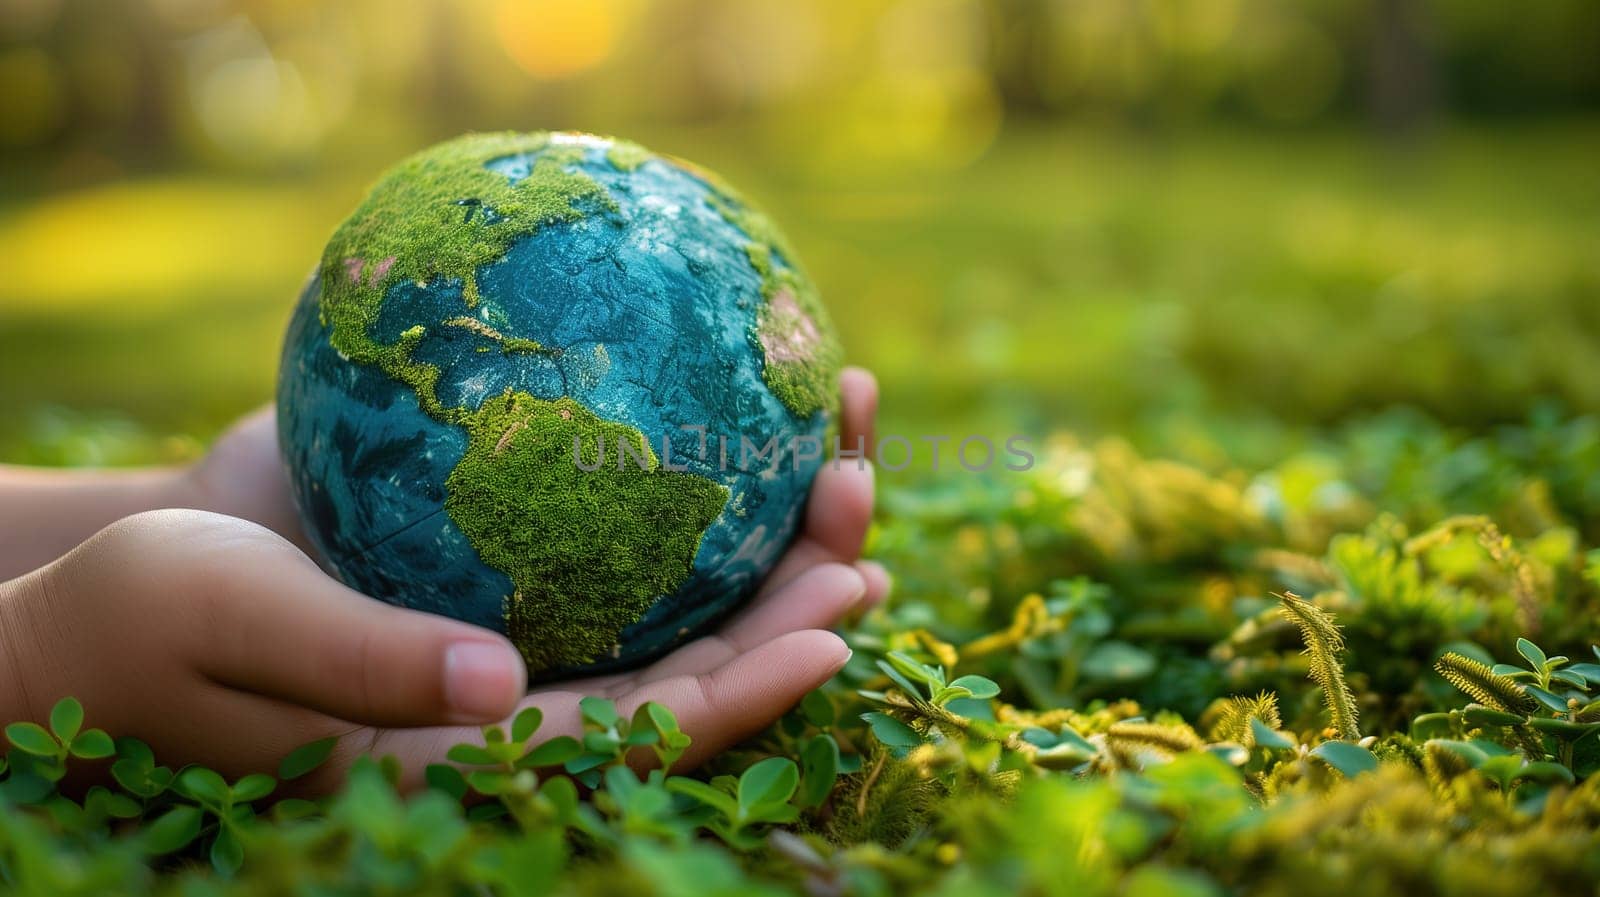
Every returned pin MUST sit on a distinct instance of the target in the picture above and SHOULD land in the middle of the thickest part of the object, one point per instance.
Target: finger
(878, 583)
(816, 599)
(716, 707)
(858, 391)
(276, 625)
(837, 516)
(734, 701)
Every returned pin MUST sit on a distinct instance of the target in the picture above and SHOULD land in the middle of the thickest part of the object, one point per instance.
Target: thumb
(276, 625)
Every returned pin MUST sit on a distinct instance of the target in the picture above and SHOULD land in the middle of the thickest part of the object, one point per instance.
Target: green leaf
(1479, 715)
(488, 781)
(915, 670)
(891, 731)
(227, 854)
(1566, 730)
(1514, 672)
(1267, 737)
(31, 738)
(818, 709)
(470, 755)
(203, 784)
(446, 778)
(173, 831)
(1532, 653)
(526, 723)
(898, 678)
(1547, 699)
(661, 717)
(1502, 770)
(599, 711)
(1569, 677)
(294, 808)
(1545, 772)
(563, 795)
(1229, 753)
(1589, 671)
(772, 781)
(585, 762)
(819, 768)
(305, 758)
(66, 718)
(554, 752)
(26, 789)
(1350, 759)
(94, 744)
(706, 794)
(980, 687)
(253, 787)
(1466, 750)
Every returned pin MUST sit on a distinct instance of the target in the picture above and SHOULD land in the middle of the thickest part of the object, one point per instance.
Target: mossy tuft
(587, 551)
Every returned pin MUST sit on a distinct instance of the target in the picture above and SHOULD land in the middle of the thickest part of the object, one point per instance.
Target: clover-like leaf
(890, 731)
(31, 738)
(470, 755)
(526, 723)
(93, 744)
(771, 781)
(253, 787)
(446, 778)
(175, 830)
(203, 784)
(227, 854)
(599, 711)
(554, 752)
(305, 758)
(980, 687)
(819, 769)
(66, 719)
(715, 798)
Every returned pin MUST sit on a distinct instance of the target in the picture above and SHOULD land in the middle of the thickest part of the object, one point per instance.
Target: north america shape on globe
(499, 299)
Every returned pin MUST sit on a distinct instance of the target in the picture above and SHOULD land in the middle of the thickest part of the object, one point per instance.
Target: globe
(558, 386)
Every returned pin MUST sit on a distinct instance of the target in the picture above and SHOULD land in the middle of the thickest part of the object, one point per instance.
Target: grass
(1253, 366)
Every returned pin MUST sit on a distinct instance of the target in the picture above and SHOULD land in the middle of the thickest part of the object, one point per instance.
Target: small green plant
(1085, 684)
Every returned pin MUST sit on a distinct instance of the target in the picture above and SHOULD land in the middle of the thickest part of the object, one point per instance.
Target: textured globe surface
(505, 312)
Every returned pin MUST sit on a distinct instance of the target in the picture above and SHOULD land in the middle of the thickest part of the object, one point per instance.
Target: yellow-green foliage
(1485, 685)
(1235, 714)
(1323, 646)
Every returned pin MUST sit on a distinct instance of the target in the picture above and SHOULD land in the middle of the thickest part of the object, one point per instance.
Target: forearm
(45, 512)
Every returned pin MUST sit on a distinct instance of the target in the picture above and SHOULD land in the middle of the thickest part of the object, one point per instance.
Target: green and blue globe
(561, 387)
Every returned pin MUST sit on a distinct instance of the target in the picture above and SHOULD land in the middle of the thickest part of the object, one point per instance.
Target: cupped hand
(216, 639)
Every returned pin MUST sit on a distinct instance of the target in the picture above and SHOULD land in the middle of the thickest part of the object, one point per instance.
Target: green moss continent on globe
(500, 296)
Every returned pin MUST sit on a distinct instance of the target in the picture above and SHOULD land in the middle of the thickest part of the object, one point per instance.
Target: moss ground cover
(1100, 679)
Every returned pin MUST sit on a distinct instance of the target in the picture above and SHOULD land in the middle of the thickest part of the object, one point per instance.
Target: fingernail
(480, 679)
(847, 655)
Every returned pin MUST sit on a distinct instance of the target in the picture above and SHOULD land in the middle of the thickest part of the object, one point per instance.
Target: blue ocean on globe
(653, 298)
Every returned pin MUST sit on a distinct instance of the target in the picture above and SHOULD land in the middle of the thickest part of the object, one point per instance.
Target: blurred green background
(1212, 226)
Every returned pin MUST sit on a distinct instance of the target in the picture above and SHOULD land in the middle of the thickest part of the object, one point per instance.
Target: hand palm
(723, 686)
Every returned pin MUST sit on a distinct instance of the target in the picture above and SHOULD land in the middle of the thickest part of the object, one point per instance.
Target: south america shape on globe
(499, 298)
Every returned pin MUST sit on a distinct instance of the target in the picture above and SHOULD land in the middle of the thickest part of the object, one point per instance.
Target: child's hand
(218, 641)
